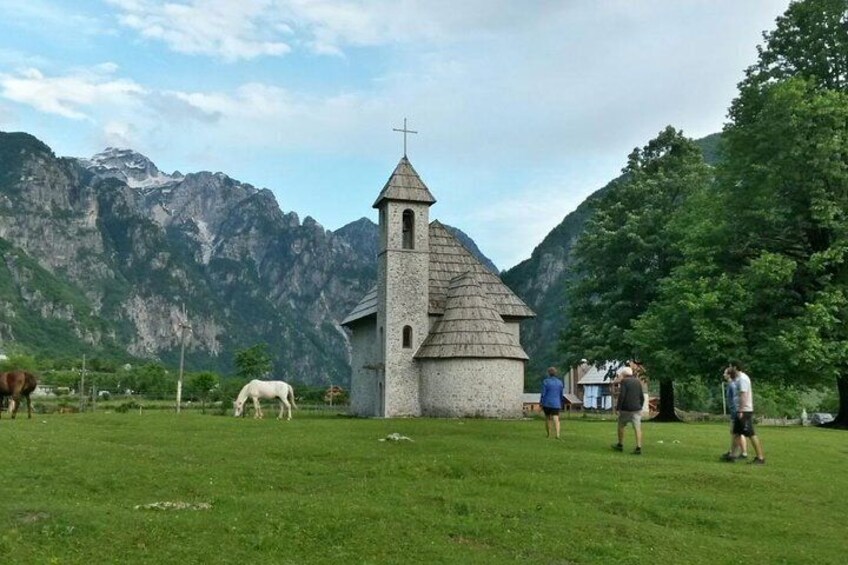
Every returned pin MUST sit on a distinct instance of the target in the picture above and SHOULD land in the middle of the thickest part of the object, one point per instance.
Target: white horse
(257, 389)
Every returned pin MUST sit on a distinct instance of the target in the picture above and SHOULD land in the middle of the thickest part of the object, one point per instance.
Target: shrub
(125, 407)
(695, 396)
(777, 401)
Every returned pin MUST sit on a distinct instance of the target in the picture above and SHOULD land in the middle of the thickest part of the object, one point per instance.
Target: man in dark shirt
(630, 400)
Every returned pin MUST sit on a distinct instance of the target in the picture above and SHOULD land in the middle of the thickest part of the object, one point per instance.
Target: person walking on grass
(551, 401)
(738, 445)
(744, 425)
(629, 407)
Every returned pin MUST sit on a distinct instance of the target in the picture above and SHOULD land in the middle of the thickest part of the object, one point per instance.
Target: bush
(695, 396)
(125, 407)
(777, 401)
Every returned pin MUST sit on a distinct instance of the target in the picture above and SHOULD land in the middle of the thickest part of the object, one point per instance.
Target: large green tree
(628, 248)
(764, 275)
(795, 97)
(792, 199)
(253, 362)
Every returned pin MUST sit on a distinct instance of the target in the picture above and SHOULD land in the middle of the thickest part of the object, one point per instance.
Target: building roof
(366, 307)
(449, 258)
(469, 327)
(406, 185)
(601, 374)
(530, 398)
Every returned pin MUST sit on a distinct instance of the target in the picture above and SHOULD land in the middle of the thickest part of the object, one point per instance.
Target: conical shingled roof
(449, 258)
(405, 184)
(470, 326)
(366, 307)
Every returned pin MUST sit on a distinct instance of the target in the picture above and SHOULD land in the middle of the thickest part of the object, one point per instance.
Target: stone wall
(402, 297)
(365, 373)
(485, 388)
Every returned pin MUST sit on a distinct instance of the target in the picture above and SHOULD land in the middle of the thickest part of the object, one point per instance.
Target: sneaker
(637, 451)
(758, 461)
(618, 447)
(728, 457)
(743, 456)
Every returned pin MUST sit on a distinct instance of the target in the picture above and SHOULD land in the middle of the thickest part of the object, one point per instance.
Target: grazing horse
(257, 389)
(16, 384)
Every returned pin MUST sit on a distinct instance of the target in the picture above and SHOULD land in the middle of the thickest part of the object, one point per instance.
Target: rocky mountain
(99, 256)
(134, 169)
(541, 280)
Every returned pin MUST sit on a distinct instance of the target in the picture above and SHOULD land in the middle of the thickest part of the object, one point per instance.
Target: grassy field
(78, 488)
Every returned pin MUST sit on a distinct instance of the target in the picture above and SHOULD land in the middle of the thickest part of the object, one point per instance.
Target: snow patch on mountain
(133, 168)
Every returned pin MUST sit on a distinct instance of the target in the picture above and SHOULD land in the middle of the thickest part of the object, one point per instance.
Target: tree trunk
(841, 421)
(666, 412)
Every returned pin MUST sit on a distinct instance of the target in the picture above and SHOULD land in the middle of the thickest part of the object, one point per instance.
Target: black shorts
(744, 425)
(550, 411)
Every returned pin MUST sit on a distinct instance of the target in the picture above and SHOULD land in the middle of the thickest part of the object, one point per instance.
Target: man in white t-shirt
(744, 423)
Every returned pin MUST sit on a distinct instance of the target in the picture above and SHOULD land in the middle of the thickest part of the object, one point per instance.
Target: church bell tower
(403, 278)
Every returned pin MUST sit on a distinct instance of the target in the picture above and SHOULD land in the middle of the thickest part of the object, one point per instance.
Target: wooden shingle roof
(470, 326)
(366, 307)
(449, 258)
(405, 184)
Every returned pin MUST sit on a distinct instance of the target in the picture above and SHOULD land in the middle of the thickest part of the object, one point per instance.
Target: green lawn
(323, 489)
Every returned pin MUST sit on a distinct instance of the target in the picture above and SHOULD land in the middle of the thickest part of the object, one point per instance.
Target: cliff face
(98, 256)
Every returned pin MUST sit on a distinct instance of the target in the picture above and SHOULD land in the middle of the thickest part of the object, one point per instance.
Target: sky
(523, 108)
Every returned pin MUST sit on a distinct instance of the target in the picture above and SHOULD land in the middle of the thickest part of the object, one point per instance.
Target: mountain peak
(128, 166)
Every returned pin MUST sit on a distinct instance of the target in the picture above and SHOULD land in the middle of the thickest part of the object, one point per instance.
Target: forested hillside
(542, 279)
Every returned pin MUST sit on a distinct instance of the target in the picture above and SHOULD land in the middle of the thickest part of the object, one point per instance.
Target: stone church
(438, 334)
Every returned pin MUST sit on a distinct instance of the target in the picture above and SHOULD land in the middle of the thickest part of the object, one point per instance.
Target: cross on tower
(405, 131)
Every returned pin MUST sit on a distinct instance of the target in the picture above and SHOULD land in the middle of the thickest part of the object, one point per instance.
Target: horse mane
(242, 395)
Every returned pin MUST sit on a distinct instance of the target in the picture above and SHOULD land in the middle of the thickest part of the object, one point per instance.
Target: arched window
(407, 337)
(408, 230)
(383, 228)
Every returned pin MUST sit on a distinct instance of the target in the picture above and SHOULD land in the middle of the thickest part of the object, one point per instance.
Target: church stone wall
(365, 393)
(487, 388)
(403, 276)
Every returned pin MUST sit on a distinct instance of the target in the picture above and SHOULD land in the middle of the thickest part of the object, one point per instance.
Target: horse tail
(290, 394)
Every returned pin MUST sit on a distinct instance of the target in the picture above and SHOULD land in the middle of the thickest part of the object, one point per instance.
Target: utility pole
(82, 386)
(183, 327)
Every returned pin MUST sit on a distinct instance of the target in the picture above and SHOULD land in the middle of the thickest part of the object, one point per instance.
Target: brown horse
(16, 384)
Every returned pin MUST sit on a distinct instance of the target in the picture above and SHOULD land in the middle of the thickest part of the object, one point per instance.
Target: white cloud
(252, 28)
(504, 225)
(119, 134)
(46, 17)
(71, 95)
(220, 28)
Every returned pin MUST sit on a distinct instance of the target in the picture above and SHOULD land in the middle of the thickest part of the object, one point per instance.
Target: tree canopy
(253, 362)
(688, 271)
(629, 247)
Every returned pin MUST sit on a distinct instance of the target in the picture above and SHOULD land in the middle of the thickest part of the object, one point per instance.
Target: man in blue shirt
(551, 400)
